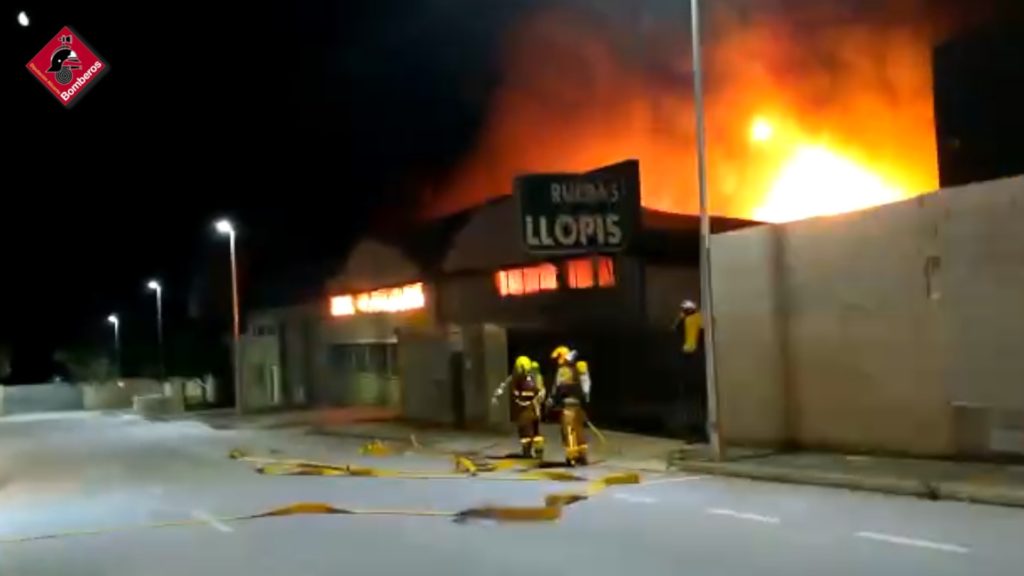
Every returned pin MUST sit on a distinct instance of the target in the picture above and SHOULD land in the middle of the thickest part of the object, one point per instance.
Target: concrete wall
(30, 398)
(873, 330)
(485, 353)
(425, 371)
(982, 289)
(114, 396)
(750, 336)
(330, 387)
(261, 371)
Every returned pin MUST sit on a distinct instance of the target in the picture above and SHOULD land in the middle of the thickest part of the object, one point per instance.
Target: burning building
(811, 111)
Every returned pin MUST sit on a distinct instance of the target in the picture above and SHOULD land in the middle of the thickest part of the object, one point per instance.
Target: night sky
(307, 122)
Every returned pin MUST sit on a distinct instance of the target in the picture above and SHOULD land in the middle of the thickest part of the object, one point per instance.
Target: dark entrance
(642, 383)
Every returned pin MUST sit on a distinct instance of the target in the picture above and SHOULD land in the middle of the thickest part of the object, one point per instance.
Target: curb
(898, 486)
(965, 492)
(955, 491)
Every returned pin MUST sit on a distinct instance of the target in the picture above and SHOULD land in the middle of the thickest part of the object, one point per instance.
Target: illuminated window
(605, 272)
(582, 273)
(385, 300)
(522, 281)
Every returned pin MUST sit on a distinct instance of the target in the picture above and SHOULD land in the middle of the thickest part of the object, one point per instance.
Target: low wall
(117, 395)
(112, 395)
(29, 398)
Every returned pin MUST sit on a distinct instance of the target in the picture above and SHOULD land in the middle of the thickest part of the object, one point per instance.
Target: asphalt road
(89, 471)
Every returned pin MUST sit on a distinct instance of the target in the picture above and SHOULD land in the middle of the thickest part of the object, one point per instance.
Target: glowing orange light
(818, 182)
(384, 300)
(342, 306)
(761, 130)
(581, 272)
(522, 281)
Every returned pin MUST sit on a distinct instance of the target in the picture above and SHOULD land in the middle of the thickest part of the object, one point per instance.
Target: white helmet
(688, 306)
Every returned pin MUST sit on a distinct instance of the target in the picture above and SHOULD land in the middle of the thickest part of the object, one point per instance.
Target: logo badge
(67, 66)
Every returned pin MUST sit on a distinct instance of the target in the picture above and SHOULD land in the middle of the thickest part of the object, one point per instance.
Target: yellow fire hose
(550, 511)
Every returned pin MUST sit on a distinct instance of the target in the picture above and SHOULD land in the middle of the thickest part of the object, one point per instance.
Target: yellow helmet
(581, 367)
(561, 354)
(523, 364)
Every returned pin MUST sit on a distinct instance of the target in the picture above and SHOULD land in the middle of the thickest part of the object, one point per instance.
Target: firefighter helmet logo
(63, 61)
(67, 66)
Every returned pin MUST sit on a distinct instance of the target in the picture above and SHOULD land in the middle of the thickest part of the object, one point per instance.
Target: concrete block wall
(878, 330)
(749, 334)
(260, 356)
(862, 330)
(31, 398)
(423, 360)
(981, 281)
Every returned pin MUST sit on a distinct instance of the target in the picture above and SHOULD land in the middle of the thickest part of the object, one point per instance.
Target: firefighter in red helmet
(527, 398)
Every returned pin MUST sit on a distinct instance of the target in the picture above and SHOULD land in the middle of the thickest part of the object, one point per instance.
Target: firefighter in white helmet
(689, 325)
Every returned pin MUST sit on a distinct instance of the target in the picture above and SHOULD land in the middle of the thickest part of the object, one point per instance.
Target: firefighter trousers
(528, 426)
(573, 439)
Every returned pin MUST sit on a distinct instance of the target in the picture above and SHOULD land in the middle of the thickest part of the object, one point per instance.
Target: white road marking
(743, 515)
(636, 499)
(217, 524)
(673, 480)
(904, 541)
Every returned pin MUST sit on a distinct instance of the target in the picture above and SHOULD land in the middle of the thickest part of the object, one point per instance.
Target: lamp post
(706, 300)
(155, 286)
(116, 323)
(225, 228)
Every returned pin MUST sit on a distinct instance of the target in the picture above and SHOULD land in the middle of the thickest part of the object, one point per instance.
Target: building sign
(384, 300)
(596, 211)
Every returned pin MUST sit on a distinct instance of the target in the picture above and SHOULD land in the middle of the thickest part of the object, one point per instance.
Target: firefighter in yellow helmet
(527, 398)
(571, 391)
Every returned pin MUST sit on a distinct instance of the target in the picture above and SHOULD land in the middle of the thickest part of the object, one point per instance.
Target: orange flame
(384, 300)
(806, 115)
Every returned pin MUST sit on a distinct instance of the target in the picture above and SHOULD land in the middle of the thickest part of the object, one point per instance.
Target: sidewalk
(933, 479)
(987, 483)
(618, 449)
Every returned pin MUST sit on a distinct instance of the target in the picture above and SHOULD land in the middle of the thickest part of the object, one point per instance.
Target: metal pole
(117, 346)
(234, 306)
(160, 329)
(706, 300)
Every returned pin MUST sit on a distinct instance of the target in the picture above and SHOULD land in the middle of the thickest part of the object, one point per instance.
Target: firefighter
(692, 392)
(571, 391)
(689, 325)
(527, 398)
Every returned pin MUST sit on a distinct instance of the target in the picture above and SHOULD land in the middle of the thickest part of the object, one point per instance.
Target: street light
(225, 228)
(116, 323)
(155, 286)
(706, 302)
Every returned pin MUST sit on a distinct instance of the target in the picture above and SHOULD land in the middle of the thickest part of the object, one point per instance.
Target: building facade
(433, 336)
